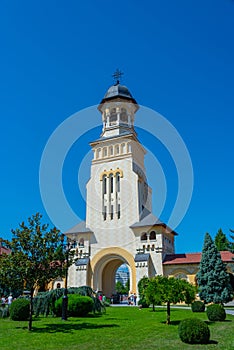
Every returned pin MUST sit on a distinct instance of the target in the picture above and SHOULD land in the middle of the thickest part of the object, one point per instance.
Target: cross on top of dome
(117, 76)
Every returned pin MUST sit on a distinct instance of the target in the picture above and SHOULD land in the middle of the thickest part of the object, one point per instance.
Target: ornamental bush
(19, 309)
(216, 312)
(78, 305)
(198, 306)
(194, 331)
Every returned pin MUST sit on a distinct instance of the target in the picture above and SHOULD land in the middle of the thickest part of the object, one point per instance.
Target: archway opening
(122, 283)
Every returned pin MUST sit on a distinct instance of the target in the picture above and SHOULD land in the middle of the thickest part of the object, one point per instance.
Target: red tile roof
(193, 258)
(4, 250)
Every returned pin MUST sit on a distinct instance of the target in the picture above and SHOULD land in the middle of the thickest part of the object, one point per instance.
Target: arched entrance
(104, 266)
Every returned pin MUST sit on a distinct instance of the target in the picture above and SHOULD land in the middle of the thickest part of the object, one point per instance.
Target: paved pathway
(228, 311)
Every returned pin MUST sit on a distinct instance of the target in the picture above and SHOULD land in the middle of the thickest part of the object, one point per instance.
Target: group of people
(132, 299)
(6, 300)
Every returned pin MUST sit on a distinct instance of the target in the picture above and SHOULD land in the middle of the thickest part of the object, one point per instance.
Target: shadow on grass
(209, 323)
(69, 327)
(172, 323)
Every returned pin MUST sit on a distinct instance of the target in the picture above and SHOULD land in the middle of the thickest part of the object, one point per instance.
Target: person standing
(10, 299)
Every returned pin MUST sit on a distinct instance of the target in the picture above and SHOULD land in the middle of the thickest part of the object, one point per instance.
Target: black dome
(116, 91)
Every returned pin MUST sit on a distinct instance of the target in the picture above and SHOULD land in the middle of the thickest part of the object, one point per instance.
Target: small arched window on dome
(144, 236)
(152, 236)
(113, 116)
(123, 116)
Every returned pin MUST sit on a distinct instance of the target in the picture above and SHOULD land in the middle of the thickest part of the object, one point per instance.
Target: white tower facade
(119, 226)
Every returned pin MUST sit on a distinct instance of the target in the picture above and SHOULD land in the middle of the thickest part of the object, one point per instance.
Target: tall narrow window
(104, 184)
(118, 182)
(113, 116)
(118, 214)
(112, 212)
(104, 213)
(111, 184)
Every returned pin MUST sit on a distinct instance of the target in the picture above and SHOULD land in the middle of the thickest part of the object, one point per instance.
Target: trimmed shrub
(19, 309)
(78, 305)
(194, 331)
(198, 306)
(216, 312)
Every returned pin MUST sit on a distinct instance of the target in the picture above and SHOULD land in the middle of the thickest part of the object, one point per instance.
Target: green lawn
(122, 328)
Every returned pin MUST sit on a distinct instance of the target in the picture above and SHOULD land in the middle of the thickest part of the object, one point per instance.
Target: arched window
(122, 148)
(58, 285)
(111, 183)
(104, 153)
(144, 236)
(81, 242)
(98, 153)
(152, 235)
(181, 276)
(111, 151)
(113, 116)
(117, 149)
(123, 116)
(104, 184)
(118, 182)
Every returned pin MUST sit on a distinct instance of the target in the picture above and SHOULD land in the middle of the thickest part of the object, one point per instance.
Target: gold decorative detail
(111, 172)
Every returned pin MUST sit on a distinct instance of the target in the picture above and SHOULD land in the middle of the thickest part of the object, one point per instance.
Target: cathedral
(120, 227)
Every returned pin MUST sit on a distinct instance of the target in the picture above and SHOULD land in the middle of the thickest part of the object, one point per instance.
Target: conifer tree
(221, 241)
(231, 246)
(213, 279)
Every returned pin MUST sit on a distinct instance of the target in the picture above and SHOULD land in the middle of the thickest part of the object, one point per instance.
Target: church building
(120, 227)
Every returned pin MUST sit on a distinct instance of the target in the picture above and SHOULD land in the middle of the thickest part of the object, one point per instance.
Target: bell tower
(119, 226)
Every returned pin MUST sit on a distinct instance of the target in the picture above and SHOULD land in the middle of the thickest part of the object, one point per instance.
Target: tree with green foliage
(221, 241)
(212, 277)
(142, 284)
(169, 290)
(120, 288)
(231, 246)
(37, 257)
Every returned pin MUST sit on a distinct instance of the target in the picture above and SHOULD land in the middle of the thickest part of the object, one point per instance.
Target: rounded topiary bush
(19, 309)
(216, 312)
(78, 305)
(194, 331)
(198, 306)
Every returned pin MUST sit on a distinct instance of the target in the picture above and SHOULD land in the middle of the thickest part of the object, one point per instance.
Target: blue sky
(57, 58)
